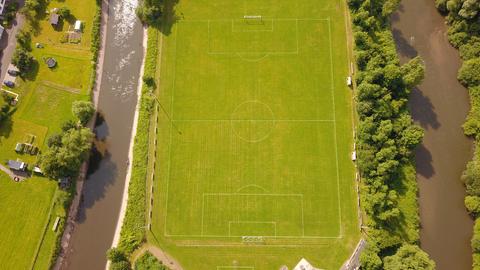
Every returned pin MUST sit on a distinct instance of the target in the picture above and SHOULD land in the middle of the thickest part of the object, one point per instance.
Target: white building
(304, 265)
(2, 6)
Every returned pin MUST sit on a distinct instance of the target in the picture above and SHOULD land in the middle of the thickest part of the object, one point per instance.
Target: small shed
(78, 26)
(17, 165)
(36, 169)
(54, 17)
(19, 147)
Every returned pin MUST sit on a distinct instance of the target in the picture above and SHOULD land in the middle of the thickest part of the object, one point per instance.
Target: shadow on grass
(6, 128)
(169, 17)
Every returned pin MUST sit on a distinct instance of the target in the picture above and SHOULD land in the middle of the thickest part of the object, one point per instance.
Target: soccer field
(254, 139)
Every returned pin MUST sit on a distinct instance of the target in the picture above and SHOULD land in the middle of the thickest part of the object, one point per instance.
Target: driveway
(8, 42)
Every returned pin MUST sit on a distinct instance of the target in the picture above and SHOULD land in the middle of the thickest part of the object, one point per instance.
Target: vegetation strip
(132, 234)
(386, 138)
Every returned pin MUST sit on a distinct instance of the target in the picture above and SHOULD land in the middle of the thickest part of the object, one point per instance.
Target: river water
(440, 105)
(102, 195)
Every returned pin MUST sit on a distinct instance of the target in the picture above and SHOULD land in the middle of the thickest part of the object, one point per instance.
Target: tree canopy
(83, 110)
(409, 257)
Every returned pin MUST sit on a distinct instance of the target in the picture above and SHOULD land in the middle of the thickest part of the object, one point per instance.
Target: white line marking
(335, 127)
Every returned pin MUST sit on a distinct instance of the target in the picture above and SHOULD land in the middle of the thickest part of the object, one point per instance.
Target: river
(440, 105)
(103, 189)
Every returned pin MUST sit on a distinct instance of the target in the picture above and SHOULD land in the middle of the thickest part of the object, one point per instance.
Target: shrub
(473, 204)
(469, 73)
(23, 60)
(64, 12)
(148, 262)
(83, 110)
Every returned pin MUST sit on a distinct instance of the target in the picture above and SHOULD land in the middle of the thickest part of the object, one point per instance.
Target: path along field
(254, 139)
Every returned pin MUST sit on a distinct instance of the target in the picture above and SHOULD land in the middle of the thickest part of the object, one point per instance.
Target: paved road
(8, 42)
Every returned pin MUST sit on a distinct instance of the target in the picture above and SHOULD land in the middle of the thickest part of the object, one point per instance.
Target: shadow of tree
(169, 17)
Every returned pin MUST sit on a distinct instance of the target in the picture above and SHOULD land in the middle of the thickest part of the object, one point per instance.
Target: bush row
(464, 34)
(386, 137)
(133, 229)
(96, 42)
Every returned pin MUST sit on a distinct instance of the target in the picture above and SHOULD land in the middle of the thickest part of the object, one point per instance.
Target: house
(17, 165)
(54, 17)
(78, 26)
(2, 6)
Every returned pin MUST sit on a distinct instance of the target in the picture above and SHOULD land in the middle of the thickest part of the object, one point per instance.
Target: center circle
(252, 121)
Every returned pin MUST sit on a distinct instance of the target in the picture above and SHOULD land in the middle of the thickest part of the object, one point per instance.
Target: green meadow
(30, 208)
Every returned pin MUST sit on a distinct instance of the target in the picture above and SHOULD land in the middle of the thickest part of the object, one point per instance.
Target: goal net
(253, 19)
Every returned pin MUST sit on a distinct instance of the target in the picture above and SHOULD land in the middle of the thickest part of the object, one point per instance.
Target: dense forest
(386, 137)
(464, 34)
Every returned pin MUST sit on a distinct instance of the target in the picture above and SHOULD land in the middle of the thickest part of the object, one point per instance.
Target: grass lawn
(46, 96)
(25, 207)
(257, 137)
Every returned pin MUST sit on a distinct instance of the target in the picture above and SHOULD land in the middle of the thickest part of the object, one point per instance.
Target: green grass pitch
(255, 136)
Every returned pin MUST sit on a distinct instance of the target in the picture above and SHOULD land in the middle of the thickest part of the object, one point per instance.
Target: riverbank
(439, 105)
(75, 204)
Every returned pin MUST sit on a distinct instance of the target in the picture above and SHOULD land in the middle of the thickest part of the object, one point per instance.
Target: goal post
(253, 19)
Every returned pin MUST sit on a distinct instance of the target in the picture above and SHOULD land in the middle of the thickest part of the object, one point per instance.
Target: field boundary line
(265, 18)
(272, 29)
(266, 236)
(171, 132)
(335, 126)
(251, 120)
(235, 267)
(274, 223)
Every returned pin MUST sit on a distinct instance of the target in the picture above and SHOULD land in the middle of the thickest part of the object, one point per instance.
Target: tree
(83, 110)
(22, 59)
(475, 242)
(64, 160)
(469, 73)
(389, 6)
(24, 39)
(471, 49)
(64, 12)
(413, 72)
(469, 9)
(471, 178)
(472, 203)
(122, 265)
(150, 12)
(116, 255)
(369, 258)
(409, 257)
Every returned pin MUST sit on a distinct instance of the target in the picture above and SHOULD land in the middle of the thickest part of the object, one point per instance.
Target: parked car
(13, 72)
(9, 84)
